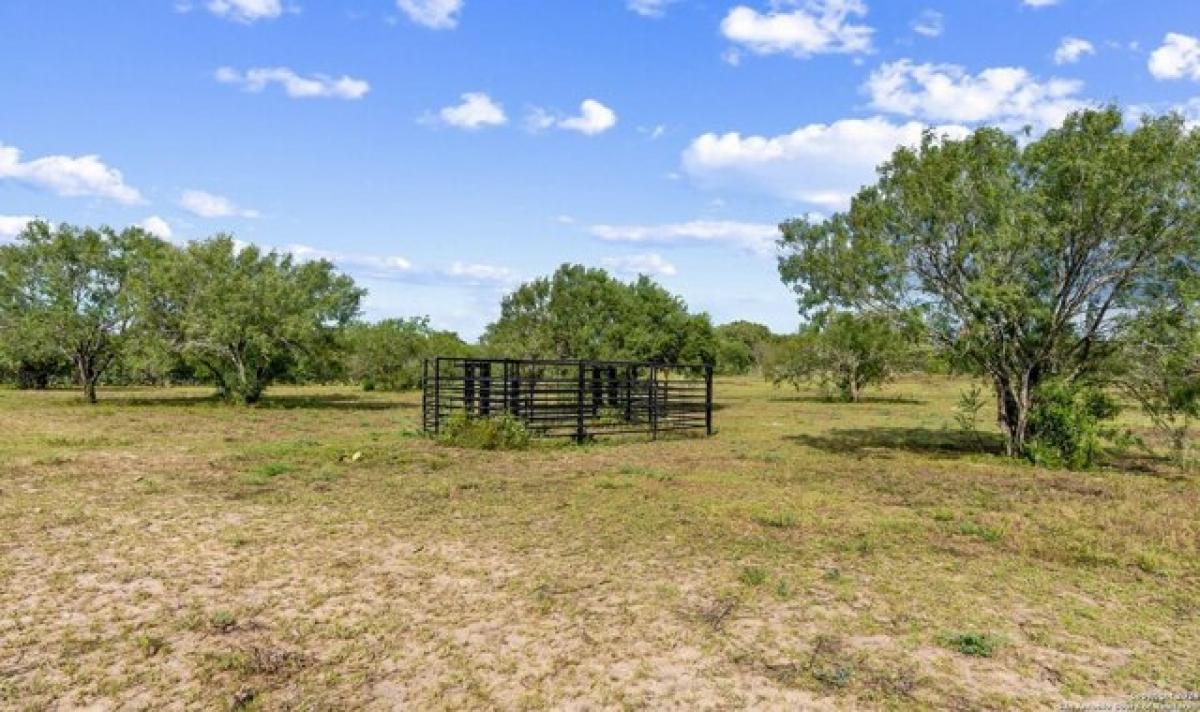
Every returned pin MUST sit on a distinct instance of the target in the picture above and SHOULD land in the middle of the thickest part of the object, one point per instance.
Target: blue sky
(441, 151)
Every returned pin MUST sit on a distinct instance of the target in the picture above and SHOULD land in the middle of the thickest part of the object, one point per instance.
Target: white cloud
(157, 226)
(480, 273)
(294, 85)
(476, 111)
(208, 205)
(12, 225)
(1071, 49)
(434, 14)
(755, 237)
(1177, 58)
(930, 23)
(246, 11)
(648, 8)
(651, 265)
(593, 118)
(820, 27)
(72, 176)
(819, 164)
(1039, 3)
(378, 266)
(1008, 96)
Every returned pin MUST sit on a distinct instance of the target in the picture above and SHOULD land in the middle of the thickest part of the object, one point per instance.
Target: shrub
(1066, 425)
(502, 432)
(979, 645)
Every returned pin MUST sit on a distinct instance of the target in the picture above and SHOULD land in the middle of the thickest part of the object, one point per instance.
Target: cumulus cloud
(651, 265)
(822, 165)
(246, 11)
(1177, 58)
(649, 8)
(372, 266)
(1008, 96)
(316, 86)
(1071, 49)
(593, 118)
(394, 268)
(755, 237)
(930, 23)
(12, 225)
(158, 227)
(434, 14)
(819, 27)
(476, 111)
(73, 176)
(480, 274)
(209, 205)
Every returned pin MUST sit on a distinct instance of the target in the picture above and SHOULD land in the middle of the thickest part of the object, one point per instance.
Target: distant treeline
(93, 306)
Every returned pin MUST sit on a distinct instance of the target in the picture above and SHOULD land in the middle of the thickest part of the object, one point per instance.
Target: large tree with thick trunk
(64, 294)
(1027, 254)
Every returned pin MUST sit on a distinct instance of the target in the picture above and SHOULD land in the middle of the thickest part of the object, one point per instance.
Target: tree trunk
(85, 365)
(1014, 400)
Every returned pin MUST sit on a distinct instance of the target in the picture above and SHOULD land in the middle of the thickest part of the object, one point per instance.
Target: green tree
(742, 347)
(245, 317)
(1158, 365)
(581, 313)
(388, 355)
(64, 295)
(845, 352)
(1023, 253)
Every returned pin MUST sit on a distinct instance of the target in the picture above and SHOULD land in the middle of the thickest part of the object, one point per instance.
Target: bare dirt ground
(163, 551)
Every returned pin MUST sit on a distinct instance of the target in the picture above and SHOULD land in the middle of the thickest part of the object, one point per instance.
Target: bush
(1066, 425)
(502, 432)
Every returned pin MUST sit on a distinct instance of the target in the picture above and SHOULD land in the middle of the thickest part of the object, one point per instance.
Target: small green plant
(150, 645)
(263, 474)
(966, 412)
(778, 519)
(784, 589)
(753, 576)
(981, 531)
(222, 621)
(978, 645)
(502, 432)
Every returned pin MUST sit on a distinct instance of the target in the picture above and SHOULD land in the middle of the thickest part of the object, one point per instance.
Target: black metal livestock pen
(575, 399)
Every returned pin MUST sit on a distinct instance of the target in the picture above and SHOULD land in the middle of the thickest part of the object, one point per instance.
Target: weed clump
(502, 432)
(978, 645)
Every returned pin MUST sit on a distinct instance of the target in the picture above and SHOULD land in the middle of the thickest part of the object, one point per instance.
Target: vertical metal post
(630, 374)
(597, 391)
(485, 389)
(580, 433)
(708, 399)
(653, 402)
(437, 395)
(425, 395)
(469, 387)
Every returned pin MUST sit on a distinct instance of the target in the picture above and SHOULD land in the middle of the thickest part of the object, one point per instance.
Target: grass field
(161, 550)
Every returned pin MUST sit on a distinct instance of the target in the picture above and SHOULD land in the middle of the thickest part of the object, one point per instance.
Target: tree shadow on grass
(925, 441)
(344, 402)
(864, 400)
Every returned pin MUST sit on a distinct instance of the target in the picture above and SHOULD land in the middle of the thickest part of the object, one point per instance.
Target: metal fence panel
(572, 399)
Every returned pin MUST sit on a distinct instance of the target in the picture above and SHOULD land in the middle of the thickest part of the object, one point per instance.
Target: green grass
(164, 549)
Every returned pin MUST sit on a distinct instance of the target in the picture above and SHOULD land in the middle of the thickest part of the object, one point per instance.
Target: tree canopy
(244, 316)
(1022, 253)
(388, 355)
(583, 313)
(64, 295)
